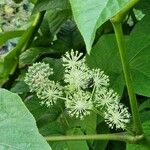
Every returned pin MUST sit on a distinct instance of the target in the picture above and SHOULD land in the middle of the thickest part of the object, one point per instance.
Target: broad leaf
(89, 15)
(105, 55)
(18, 127)
(145, 105)
(70, 35)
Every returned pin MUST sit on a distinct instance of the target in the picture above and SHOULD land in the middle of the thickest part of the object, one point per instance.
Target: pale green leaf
(18, 128)
(89, 15)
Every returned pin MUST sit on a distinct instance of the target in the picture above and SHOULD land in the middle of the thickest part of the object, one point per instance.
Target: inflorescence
(85, 90)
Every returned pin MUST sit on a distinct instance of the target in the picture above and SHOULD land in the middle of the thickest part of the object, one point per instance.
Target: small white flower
(71, 60)
(100, 79)
(50, 94)
(37, 76)
(105, 98)
(77, 77)
(79, 104)
(117, 116)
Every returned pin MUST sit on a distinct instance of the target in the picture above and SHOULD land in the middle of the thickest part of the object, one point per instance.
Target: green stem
(97, 112)
(62, 98)
(67, 123)
(120, 16)
(127, 75)
(28, 37)
(115, 136)
(34, 29)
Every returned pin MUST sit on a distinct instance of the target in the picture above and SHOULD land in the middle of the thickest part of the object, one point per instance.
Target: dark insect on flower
(90, 83)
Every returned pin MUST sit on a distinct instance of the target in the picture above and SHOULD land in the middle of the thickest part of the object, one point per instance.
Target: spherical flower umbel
(71, 60)
(105, 98)
(37, 76)
(100, 79)
(79, 104)
(77, 77)
(50, 94)
(117, 116)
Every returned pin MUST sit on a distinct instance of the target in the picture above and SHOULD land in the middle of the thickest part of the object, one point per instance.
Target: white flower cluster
(14, 15)
(37, 78)
(85, 90)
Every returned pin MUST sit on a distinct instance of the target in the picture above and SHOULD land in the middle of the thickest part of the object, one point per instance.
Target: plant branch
(137, 128)
(115, 136)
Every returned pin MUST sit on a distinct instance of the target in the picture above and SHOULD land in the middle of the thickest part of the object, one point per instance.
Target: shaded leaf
(51, 4)
(145, 105)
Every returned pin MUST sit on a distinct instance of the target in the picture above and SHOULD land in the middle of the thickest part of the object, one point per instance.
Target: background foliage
(56, 26)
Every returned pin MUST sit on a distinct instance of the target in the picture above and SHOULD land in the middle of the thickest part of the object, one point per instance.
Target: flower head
(50, 94)
(77, 78)
(105, 98)
(71, 60)
(79, 104)
(117, 116)
(37, 76)
(100, 79)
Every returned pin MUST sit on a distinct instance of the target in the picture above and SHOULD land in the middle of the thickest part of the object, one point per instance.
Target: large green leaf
(145, 145)
(70, 35)
(89, 15)
(138, 53)
(18, 127)
(105, 56)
